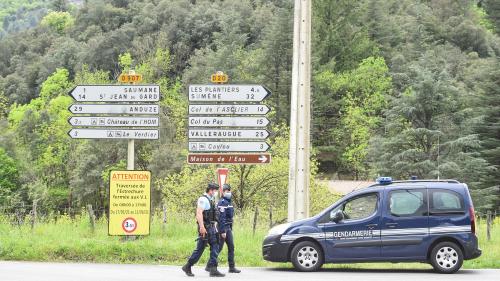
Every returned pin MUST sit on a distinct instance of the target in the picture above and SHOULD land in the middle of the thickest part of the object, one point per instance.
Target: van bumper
(274, 250)
(471, 248)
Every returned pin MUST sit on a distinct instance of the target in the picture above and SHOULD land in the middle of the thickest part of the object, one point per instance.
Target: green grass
(72, 240)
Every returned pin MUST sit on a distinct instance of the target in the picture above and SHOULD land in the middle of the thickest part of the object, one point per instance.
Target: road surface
(38, 271)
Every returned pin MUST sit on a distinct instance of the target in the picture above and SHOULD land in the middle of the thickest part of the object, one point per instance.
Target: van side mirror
(337, 216)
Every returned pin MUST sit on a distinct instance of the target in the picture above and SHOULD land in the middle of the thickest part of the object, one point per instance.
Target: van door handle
(371, 226)
(391, 224)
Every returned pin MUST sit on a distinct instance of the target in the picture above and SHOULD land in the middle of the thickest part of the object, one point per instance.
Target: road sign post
(229, 158)
(130, 134)
(116, 93)
(145, 109)
(228, 146)
(227, 123)
(222, 175)
(129, 203)
(126, 111)
(110, 121)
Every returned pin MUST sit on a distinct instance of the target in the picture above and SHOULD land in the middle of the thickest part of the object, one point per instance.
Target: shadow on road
(372, 270)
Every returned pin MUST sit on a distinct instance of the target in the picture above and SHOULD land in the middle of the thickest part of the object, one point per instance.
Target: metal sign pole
(131, 153)
(131, 142)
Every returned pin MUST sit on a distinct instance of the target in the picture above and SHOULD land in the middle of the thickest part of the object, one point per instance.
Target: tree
(59, 5)
(493, 10)
(427, 131)
(489, 134)
(58, 21)
(9, 179)
(340, 38)
(262, 186)
(348, 114)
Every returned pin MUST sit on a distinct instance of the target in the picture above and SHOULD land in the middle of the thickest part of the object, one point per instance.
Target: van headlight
(279, 229)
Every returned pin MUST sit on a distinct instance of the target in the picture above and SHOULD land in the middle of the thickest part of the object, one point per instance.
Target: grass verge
(73, 240)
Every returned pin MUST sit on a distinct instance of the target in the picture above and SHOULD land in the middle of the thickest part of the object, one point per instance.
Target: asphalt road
(38, 271)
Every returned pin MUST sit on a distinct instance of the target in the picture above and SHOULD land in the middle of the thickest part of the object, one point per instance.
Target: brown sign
(225, 158)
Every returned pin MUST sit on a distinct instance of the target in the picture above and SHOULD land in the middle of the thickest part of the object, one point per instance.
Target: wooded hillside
(400, 88)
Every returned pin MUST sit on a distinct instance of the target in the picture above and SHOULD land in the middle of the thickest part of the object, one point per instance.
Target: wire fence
(23, 214)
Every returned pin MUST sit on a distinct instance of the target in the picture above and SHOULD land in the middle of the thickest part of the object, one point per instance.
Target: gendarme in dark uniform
(226, 214)
(206, 218)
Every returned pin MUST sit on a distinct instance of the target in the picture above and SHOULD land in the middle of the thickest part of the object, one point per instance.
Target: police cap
(226, 187)
(211, 186)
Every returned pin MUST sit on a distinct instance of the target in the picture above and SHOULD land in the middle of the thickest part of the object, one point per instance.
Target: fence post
(164, 222)
(270, 216)
(488, 225)
(33, 215)
(91, 217)
(256, 214)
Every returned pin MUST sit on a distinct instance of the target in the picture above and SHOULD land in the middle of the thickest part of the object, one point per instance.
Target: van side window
(445, 201)
(361, 207)
(408, 202)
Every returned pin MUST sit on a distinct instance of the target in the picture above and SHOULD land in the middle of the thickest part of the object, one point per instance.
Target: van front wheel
(446, 257)
(307, 256)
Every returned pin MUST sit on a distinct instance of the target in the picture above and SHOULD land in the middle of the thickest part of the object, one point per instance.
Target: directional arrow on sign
(109, 121)
(228, 121)
(228, 109)
(227, 92)
(117, 93)
(241, 146)
(263, 158)
(114, 134)
(227, 134)
(149, 109)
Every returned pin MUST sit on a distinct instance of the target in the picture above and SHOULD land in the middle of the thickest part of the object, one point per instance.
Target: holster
(212, 232)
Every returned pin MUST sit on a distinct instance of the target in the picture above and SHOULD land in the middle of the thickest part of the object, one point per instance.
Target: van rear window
(445, 201)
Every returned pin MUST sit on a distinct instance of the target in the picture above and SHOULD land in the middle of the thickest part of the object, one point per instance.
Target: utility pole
(299, 171)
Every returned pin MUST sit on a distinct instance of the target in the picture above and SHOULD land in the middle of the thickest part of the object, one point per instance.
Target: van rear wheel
(446, 257)
(307, 256)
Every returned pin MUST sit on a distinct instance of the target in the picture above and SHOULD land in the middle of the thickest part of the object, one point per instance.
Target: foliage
(399, 88)
(9, 178)
(58, 21)
(253, 186)
(489, 134)
(350, 113)
(67, 239)
(17, 15)
(492, 8)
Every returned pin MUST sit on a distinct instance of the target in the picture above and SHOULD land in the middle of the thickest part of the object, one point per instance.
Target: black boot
(207, 268)
(187, 269)
(215, 273)
(233, 269)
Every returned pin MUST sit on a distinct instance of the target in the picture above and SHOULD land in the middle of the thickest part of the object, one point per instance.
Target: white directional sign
(117, 93)
(109, 121)
(150, 109)
(228, 121)
(227, 134)
(228, 109)
(114, 134)
(216, 93)
(242, 146)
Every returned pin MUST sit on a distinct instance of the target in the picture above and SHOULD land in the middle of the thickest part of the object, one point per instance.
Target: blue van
(429, 221)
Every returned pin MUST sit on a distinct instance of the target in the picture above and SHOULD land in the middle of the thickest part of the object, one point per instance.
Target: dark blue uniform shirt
(226, 213)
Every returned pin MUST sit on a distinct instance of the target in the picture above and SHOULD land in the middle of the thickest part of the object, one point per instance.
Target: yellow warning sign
(129, 202)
